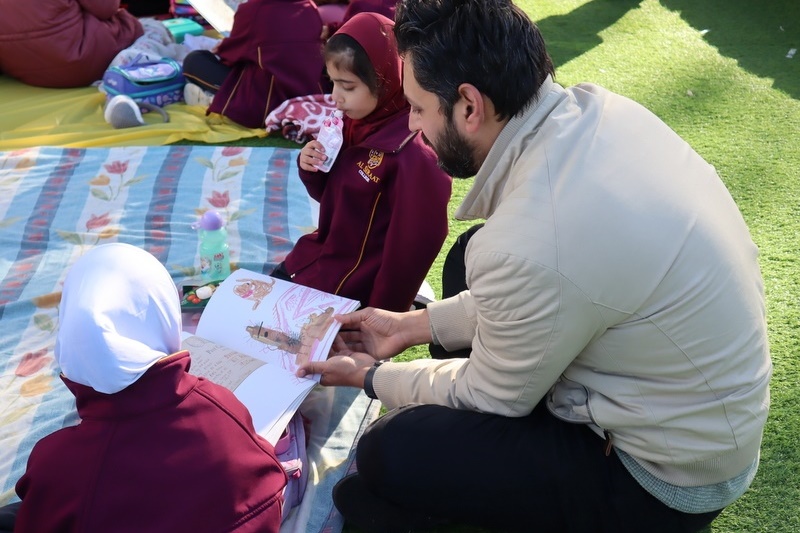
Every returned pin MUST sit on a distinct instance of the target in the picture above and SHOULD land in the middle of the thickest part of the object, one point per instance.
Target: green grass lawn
(716, 71)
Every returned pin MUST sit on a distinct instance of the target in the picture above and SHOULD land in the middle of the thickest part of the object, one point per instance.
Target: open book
(253, 335)
(218, 13)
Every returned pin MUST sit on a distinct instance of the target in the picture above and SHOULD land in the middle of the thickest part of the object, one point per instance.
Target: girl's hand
(311, 155)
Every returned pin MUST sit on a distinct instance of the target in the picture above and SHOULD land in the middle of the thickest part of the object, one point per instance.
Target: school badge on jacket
(374, 161)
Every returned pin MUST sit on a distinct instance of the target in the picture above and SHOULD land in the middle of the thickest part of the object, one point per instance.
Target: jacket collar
(392, 137)
(489, 183)
(165, 383)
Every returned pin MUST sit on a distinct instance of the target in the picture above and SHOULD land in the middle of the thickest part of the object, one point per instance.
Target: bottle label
(215, 261)
(330, 136)
(215, 267)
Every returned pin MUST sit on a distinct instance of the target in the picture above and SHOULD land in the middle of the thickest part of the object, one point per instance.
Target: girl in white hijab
(119, 314)
(157, 449)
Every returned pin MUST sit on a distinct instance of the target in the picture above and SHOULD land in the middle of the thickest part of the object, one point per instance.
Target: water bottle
(215, 259)
(330, 135)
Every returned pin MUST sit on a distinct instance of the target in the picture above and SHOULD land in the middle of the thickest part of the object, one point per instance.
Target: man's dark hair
(491, 44)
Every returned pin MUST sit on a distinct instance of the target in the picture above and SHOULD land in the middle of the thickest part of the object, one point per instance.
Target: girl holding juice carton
(383, 204)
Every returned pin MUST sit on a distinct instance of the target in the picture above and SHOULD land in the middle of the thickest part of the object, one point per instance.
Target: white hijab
(119, 314)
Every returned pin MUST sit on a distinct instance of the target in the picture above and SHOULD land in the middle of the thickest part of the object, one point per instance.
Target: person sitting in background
(63, 43)
(273, 53)
(156, 43)
(157, 449)
(383, 204)
(334, 13)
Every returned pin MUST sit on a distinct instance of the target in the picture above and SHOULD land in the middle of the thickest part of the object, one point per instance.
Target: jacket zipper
(363, 244)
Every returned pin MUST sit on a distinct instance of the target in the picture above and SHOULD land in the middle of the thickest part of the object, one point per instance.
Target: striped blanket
(56, 203)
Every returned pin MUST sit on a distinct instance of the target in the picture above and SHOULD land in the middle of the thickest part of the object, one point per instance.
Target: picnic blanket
(56, 203)
(36, 116)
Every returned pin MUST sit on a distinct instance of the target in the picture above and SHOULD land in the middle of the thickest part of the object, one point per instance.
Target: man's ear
(471, 106)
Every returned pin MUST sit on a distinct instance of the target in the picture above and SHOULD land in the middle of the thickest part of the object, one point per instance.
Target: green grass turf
(716, 71)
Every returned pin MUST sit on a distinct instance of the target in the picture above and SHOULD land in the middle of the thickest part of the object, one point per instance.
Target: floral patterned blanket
(56, 203)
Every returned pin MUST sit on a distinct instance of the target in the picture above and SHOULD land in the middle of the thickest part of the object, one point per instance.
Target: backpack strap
(122, 111)
(153, 107)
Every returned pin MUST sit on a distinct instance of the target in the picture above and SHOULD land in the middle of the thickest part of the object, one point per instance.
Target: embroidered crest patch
(375, 159)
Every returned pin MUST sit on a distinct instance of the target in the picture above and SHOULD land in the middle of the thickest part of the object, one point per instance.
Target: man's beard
(454, 153)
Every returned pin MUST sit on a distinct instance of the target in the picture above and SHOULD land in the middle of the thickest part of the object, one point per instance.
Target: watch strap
(368, 388)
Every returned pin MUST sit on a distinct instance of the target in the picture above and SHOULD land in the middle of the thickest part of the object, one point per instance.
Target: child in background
(336, 13)
(271, 55)
(383, 205)
(63, 43)
(157, 42)
(157, 449)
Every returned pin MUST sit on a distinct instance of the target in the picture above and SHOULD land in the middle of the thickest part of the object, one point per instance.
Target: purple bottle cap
(210, 221)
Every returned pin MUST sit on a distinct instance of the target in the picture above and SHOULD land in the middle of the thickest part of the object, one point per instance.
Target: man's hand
(367, 336)
(382, 334)
(345, 368)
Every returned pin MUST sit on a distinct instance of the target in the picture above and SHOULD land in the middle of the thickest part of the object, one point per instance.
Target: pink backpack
(291, 452)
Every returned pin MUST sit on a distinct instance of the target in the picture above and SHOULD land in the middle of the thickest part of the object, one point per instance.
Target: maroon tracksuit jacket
(382, 221)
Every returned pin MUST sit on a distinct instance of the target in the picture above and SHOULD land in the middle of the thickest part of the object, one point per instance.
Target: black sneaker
(361, 508)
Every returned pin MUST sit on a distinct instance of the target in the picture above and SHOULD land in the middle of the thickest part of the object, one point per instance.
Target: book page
(270, 395)
(281, 323)
(252, 336)
(218, 13)
(221, 365)
(272, 399)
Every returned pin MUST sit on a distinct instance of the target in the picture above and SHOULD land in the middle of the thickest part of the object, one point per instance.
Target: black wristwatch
(368, 389)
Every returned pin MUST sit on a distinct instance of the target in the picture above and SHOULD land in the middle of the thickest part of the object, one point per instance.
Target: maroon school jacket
(354, 7)
(171, 452)
(382, 220)
(275, 53)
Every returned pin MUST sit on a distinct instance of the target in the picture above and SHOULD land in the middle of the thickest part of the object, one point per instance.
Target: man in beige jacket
(618, 371)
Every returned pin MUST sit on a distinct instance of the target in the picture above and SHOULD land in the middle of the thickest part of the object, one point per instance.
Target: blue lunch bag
(154, 82)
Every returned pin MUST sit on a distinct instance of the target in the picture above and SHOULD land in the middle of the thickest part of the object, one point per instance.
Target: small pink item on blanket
(299, 119)
(291, 452)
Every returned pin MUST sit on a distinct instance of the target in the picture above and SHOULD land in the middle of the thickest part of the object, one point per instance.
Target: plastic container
(330, 135)
(215, 259)
(180, 27)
